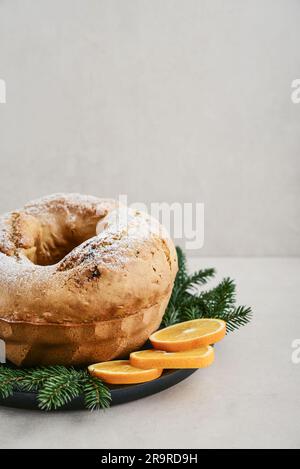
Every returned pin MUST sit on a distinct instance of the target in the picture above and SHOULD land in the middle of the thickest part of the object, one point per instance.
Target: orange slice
(188, 335)
(197, 358)
(122, 372)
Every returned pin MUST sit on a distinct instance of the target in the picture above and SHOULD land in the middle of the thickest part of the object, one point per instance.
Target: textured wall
(165, 100)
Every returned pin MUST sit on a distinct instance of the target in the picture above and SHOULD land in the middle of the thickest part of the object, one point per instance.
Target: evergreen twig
(56, 386)
(60, 389)
(10, 380)
(188, 303)
(95, 394)
(35, 378)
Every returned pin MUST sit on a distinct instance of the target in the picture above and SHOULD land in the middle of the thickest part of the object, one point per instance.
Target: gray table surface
(250, 397)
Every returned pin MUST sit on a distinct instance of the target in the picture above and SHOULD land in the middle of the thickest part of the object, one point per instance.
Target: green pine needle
(237, 317)
(35, 378)
(10, 380)
(182, 269)
(95, 394)
(201, 277)
(188, 303)
(59, 390)
(171, 316)
(56, 386)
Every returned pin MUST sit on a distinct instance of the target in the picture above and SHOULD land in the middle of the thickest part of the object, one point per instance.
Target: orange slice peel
(189, 335)
(201, 357)
(122, 372)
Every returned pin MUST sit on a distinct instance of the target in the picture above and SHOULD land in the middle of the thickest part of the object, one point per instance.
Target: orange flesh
(197, 358)
(188, 335)
(122, 372)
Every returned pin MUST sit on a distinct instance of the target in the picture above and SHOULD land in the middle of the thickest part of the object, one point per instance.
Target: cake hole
(55, 241)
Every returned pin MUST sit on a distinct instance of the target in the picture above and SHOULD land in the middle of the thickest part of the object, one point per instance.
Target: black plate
(119, 394)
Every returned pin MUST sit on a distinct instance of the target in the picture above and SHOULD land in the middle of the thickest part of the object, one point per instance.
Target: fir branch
(10, 380)
(191, 312)
(171, 316)
(182, 270)
(215, 302)
(58, 390)
(219, 302)
(35, 378)
(56, 386)
(220, 298)
(95, 394)
(201, 277)
(237, 317)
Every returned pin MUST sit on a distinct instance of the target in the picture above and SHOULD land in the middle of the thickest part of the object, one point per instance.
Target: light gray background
(173, 100)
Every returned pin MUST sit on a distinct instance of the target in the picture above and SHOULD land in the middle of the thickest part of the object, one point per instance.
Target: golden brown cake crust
(71, 264)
